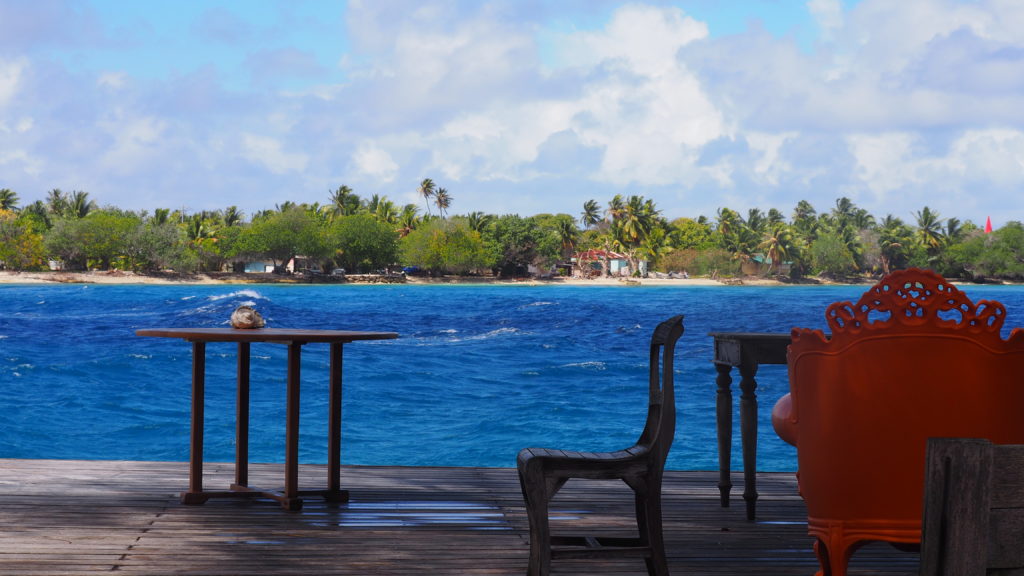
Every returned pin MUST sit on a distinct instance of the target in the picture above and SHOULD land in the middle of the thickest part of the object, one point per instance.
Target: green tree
(805, 221)
(929, 230)
(152, 245)
(779, 244)
(8, 200)
(443, 199)
(831, 256)
(104, 235)
(21, 247)
(344, 202)
(363, 243)
(591, 214)
(446, 247)
(283, 235)
(895, 243)
(687, 233)
(426, 190)
(513, 244)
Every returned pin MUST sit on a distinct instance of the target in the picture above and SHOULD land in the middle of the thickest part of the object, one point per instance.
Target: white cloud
(10, 79)
(271, 154)
(135, 142)
(829, 15)
(642, 39)
(373, 162)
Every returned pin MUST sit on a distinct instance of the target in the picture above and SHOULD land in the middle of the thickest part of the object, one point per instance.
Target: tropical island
(68, 237)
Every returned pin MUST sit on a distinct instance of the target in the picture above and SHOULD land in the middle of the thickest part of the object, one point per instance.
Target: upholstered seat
(914, 358)
(543, 471)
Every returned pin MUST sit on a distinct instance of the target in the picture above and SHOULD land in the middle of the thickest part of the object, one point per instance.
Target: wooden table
(747, 350)
(290, 497)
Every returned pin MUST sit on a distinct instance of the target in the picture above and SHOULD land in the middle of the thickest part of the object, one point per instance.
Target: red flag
(988, 225)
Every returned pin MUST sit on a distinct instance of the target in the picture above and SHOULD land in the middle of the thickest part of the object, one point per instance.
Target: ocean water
(477, 373)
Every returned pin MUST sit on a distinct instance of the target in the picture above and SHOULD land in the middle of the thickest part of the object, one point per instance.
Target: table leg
(748, 431)
(334, 491)
(242, 419)
(723, 410)
(195, 467)
(291, 499)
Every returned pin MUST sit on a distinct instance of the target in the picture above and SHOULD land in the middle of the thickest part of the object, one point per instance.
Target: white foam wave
(597, 365)
(238, 293)
(493, 334)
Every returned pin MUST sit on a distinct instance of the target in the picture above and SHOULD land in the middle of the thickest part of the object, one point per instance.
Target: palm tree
(386, 211)
(285, 206)
(805, 220)
(756, 220)
(591, 214)
(56, 202)
(894, 240)
(615, 208)
(78, 204)
(568, 234)
(443, 200)
(344, 202)
(479, 221)
(160, 216)
(843, 212)
(8, 199)
(953, 233)
(929, 229)
(408, 219)
(778, 244)
(426, 190)
(232, 216)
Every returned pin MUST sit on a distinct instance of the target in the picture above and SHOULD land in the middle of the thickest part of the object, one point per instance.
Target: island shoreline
(172, 278)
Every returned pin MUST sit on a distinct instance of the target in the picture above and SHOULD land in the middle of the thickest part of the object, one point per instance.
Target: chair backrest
(913, 359)
(973, 508)
(660, 428)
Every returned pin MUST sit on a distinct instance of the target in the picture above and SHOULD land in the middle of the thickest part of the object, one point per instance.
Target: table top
(292, 335)
(761, 336)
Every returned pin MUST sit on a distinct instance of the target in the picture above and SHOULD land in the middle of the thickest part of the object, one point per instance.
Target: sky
(519, 106)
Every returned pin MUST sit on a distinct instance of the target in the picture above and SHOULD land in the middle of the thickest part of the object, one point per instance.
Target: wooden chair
(913, 359)
(973, 508)
(542, 472)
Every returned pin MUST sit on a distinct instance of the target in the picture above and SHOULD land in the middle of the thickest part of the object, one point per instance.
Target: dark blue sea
(477, 373)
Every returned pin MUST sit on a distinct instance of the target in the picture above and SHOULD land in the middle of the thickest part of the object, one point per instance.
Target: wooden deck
(86, 517)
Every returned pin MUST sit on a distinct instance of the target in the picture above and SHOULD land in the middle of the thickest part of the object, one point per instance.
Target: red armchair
(913, 359)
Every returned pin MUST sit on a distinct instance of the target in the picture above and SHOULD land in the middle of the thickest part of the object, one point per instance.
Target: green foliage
(687, 233)
(446, 247)
(513, 244)
(363, 243)
(706, 262)
(1003, 253)
(21, 248)
(831, 256)
(283, 235)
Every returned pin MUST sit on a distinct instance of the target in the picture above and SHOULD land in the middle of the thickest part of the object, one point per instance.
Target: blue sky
(519, 106)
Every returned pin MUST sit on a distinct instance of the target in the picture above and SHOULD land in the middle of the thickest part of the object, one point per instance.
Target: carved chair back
(914, 358)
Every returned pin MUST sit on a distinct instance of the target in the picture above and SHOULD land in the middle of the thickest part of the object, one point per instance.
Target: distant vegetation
(371, 234)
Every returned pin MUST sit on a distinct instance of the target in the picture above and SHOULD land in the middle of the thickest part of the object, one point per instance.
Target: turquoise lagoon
(479, 371)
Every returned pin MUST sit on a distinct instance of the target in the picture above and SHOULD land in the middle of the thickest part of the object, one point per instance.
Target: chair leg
(535, 495)
(651, 533)
(834, 555)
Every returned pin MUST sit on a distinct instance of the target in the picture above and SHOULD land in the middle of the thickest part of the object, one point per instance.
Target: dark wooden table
(746, 350)
(291, 497)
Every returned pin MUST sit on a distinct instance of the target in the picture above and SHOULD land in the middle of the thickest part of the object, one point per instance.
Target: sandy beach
(127, 277)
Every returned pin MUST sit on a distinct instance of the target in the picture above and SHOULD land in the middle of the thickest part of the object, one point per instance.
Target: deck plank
(85, 517)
